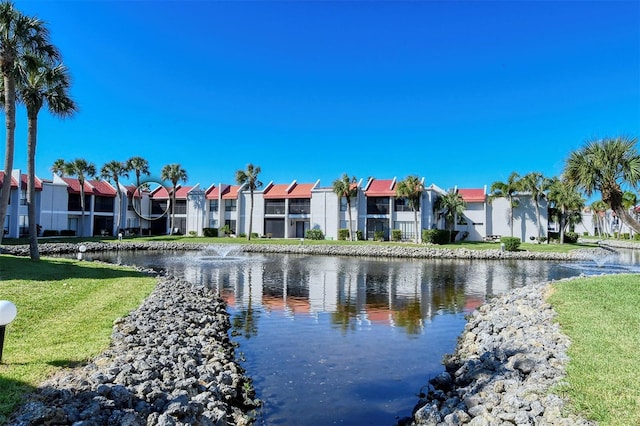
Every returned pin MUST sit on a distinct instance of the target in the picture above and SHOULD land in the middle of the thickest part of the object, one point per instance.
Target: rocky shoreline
(171, 361)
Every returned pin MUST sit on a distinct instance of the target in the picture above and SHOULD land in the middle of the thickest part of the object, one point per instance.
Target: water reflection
(345, 340)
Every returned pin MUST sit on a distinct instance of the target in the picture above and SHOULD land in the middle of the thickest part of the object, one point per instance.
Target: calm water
(349, 341)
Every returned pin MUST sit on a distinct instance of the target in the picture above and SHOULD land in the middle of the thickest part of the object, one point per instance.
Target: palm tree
(57, 168)
(537, 185)
(348, 188)
(249, 178)
(606, 165)
(41, 84)
(411, 188)
(597, 207)
(508, 190)
(451, 205)
(19, 34)
(112, 171)
(141, 167)
(81, 168)
(567, 200)
(174, 173)
(629, 200)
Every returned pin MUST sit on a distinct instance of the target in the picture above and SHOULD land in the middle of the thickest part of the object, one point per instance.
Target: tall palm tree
(249, 178)
(605, 166)
(411, 188)
(112, 171)
(567, 201)
(508, 190)
(57, 168)
(19, 34)
(174, 173)
(139, 166)
(40, 84)
(537, 185)
(82, 169)
(348, 188)
(451, 205)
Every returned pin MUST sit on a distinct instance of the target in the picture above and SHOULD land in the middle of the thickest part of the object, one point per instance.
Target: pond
(341, 340)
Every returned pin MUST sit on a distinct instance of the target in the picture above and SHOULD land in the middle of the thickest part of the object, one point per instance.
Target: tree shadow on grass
(51, 269)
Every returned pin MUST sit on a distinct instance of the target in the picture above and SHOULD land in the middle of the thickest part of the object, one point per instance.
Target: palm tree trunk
(538, 219)
(628, 219)
(415, 226)
(173, 206)
(350, 222)
(10, 122)
(31, 187)
(139, 211)
(82, 207)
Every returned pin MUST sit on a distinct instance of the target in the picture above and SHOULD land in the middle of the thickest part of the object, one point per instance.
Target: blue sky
(460, 93)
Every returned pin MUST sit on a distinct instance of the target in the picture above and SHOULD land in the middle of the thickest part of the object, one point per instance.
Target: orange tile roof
(301, 190)
(276, 191)
(381, 188)
(212, 193)
(230, 192)
(163, 192)
(472, 195)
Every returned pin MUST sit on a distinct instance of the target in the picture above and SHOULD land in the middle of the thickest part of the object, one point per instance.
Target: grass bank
(65, 316)
(601, 315)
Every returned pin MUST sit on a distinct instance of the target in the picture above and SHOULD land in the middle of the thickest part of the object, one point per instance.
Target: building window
(23, 197)
(274, 206)
(300, 206)
(377, 205)
(159, 206)
(24, 226)
(402, 205)
(104, 204)
(230, 206)
(213, 205)
(231, 223)
(213, 222)
(180, 207)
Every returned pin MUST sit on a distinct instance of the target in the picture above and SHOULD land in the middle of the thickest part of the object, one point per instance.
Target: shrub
(435, 236)
(226, 230)
(210, 232)
(343, 234)
(570, 237)
(626, 236)
(242, 235)
(585, 234)
(378, 235)
(67, 233)
(192, 233)
(636, 237)
(510, 243)
(314, 234)
(55, 233)
(359, 235)
(396, 235)
(254, 235)
(542, 239)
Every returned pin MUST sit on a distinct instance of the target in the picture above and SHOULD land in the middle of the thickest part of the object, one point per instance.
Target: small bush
(378, 235)
(396, 235)
(226, 230)
(359, 235)
(636, 237)
(210, 232)
(585, 234)
(343, 234)
(510, 243)
(50, 233)
(314, 234)
(435, 236)
(570, 237)
(542, 239)
(193, 233)
(242, 235)
(254, 235)
(67, 233)
(626, 236)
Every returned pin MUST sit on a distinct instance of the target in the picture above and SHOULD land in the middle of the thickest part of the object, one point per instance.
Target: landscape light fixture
(8, 312)
(81, 251)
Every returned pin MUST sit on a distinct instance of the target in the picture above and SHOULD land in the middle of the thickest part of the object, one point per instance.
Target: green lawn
(601, 315)
(65, 317)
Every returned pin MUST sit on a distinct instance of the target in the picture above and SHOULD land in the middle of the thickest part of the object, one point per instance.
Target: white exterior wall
(54, 202)
(196, 210)
(325, 211)
(524, 218)
(244, 210)
(476, 217)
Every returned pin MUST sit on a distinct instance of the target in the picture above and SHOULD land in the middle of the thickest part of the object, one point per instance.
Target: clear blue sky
(461, 93)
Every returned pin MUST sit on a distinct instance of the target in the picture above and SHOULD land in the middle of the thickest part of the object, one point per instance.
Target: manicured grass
(601, 315)
(65, 317)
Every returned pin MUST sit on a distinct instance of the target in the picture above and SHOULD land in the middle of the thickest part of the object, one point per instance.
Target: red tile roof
(74, 186)
(381, 188)
(102, 188)
(472, 195)
(23, 182)
(291, 190)
(212, 193)
(301, 190)
(163, 193)
(131, 189)
(14, 184)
